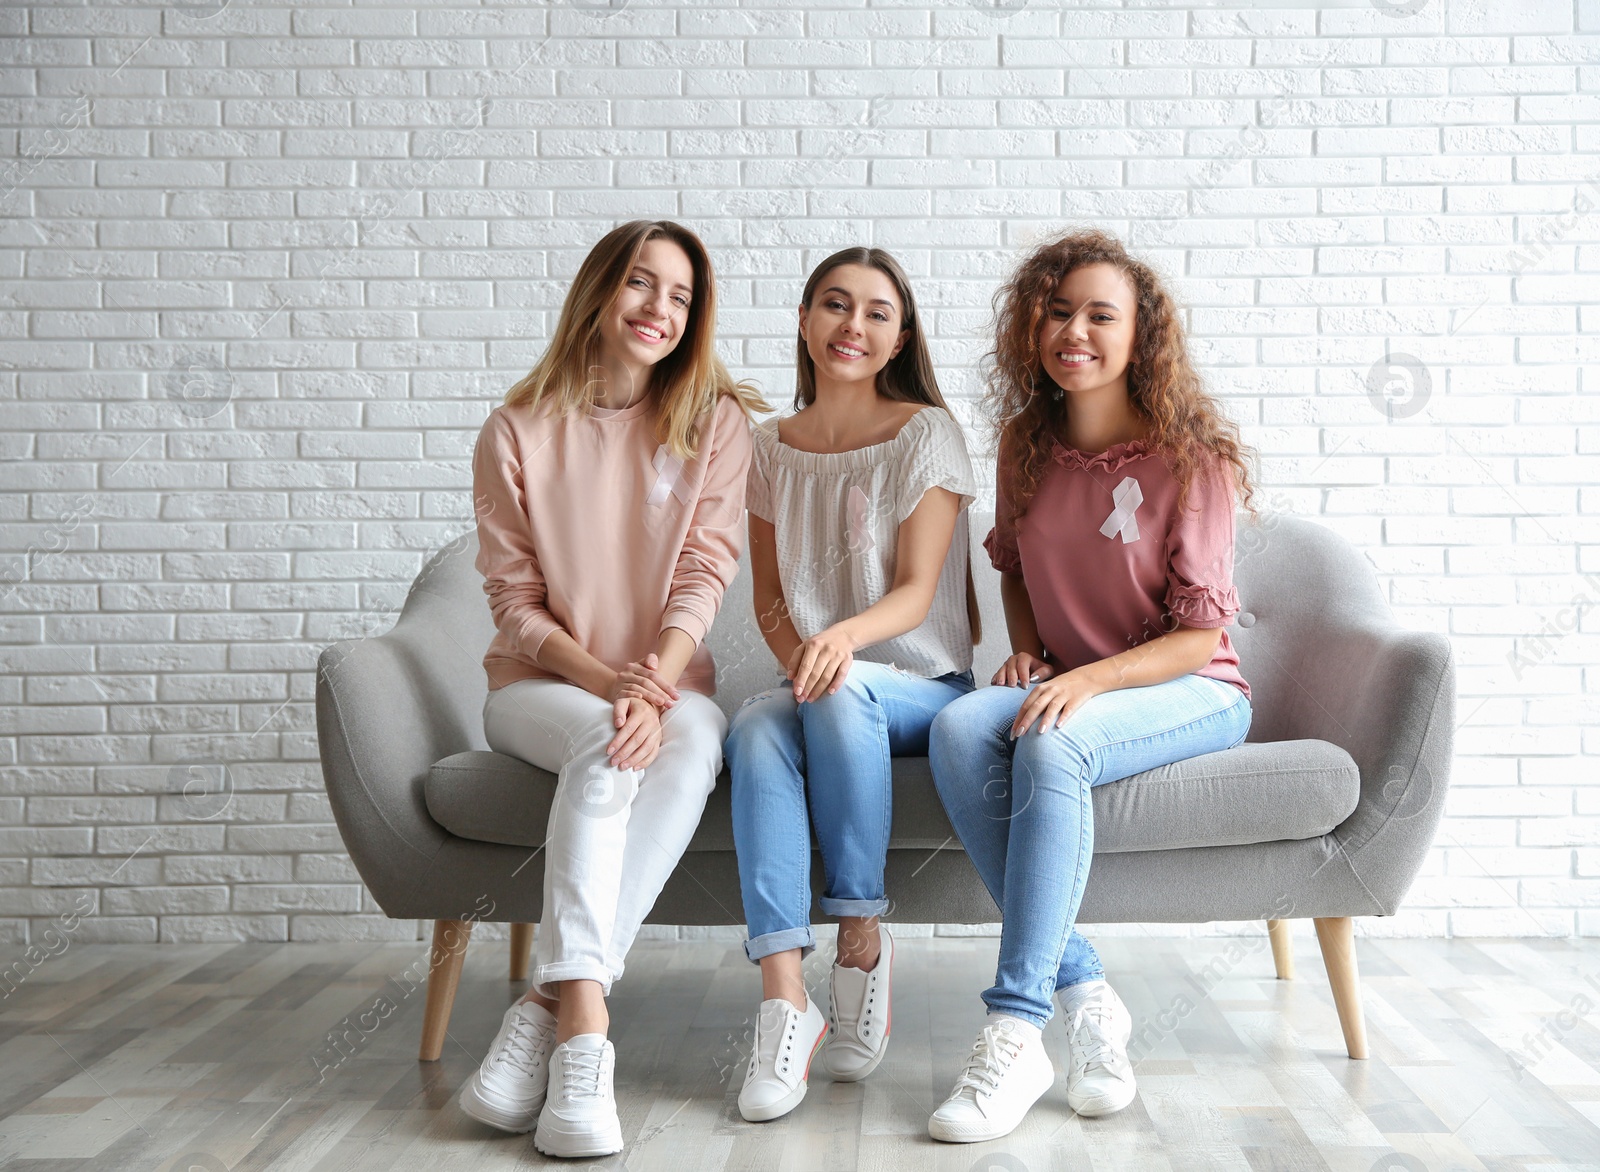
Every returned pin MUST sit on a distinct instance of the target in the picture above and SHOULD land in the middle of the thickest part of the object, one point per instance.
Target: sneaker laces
(1091, 1043)
(992, 1054)
(581, 1071)
(523, 1046)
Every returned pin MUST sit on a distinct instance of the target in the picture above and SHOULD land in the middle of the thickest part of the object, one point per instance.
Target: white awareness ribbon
(1127, 497)
(669, 479)
(860, 528)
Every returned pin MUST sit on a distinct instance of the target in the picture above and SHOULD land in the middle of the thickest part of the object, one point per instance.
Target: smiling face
(1086, 338)
(651, 312)
(853, 325)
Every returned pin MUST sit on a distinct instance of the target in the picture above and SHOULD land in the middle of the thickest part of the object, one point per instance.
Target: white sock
(1071, 995)
(1027, 1028)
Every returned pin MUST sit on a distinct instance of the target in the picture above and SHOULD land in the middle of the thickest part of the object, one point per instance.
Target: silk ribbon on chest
(1126, 499)
(669, 479)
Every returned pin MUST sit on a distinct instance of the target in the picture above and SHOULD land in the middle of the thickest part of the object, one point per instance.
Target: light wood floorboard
(1485, 1056)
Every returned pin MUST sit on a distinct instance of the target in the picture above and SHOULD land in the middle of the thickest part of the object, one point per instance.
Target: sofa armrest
(379, 732)
(1386, 695)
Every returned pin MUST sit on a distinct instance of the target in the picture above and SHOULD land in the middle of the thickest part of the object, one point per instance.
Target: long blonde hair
(688, 382)
(908, 377)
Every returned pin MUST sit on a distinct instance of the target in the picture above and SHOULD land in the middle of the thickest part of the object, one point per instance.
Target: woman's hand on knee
(638, 738)
(1053, 702)
(821, 664)
(1021, 670)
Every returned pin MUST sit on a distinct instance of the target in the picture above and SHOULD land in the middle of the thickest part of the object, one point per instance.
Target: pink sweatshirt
(1111, 564)
(588, 525)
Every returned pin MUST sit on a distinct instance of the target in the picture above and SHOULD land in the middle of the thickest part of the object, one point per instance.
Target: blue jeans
(1022, 809)
(833, 756)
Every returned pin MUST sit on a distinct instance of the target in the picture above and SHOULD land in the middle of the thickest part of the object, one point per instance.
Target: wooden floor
(1485, 1055)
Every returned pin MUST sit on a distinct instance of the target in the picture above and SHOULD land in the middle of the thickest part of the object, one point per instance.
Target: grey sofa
(1326, 811)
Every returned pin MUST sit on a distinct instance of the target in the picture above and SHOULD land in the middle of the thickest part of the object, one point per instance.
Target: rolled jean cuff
(859, 908)
(547, 976)
(1083, 980)
(758, 946)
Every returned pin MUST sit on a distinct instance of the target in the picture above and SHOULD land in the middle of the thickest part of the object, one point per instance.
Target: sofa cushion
(1267, 792)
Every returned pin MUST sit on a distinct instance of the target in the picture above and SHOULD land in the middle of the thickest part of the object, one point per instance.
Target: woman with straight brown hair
(858, 555)
(609, 491)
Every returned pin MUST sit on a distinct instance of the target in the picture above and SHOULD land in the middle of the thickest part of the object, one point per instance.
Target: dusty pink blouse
(1110, 562)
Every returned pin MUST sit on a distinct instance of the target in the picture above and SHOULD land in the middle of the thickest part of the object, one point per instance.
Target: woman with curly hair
(1115, 492)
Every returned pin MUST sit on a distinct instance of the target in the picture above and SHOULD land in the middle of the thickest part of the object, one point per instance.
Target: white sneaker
(580, 1116)
(858, 1011)
(1005, 1074)
(780, 1061)
(509, 1088)
(1100, 1078)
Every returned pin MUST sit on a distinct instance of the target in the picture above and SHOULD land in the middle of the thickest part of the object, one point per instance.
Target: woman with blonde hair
(1116, 485)
(609, 490)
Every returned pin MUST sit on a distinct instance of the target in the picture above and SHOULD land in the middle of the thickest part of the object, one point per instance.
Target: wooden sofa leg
(1282, 949)
(1337, 938)
(444, 974)
(521, 945)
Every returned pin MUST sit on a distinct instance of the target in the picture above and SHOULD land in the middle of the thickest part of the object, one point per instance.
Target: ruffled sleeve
(758, 485)
(1001, 544)
(938, 459)
(1200, 591)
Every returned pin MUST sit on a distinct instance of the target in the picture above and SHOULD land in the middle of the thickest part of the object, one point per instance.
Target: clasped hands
(639, 694)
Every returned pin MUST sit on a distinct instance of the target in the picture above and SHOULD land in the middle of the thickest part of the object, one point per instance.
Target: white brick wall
(265, 269)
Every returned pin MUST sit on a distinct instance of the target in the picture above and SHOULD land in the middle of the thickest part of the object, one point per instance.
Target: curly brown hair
(1186, 424)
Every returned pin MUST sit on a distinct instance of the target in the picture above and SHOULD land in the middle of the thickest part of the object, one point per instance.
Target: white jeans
(614, 835)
